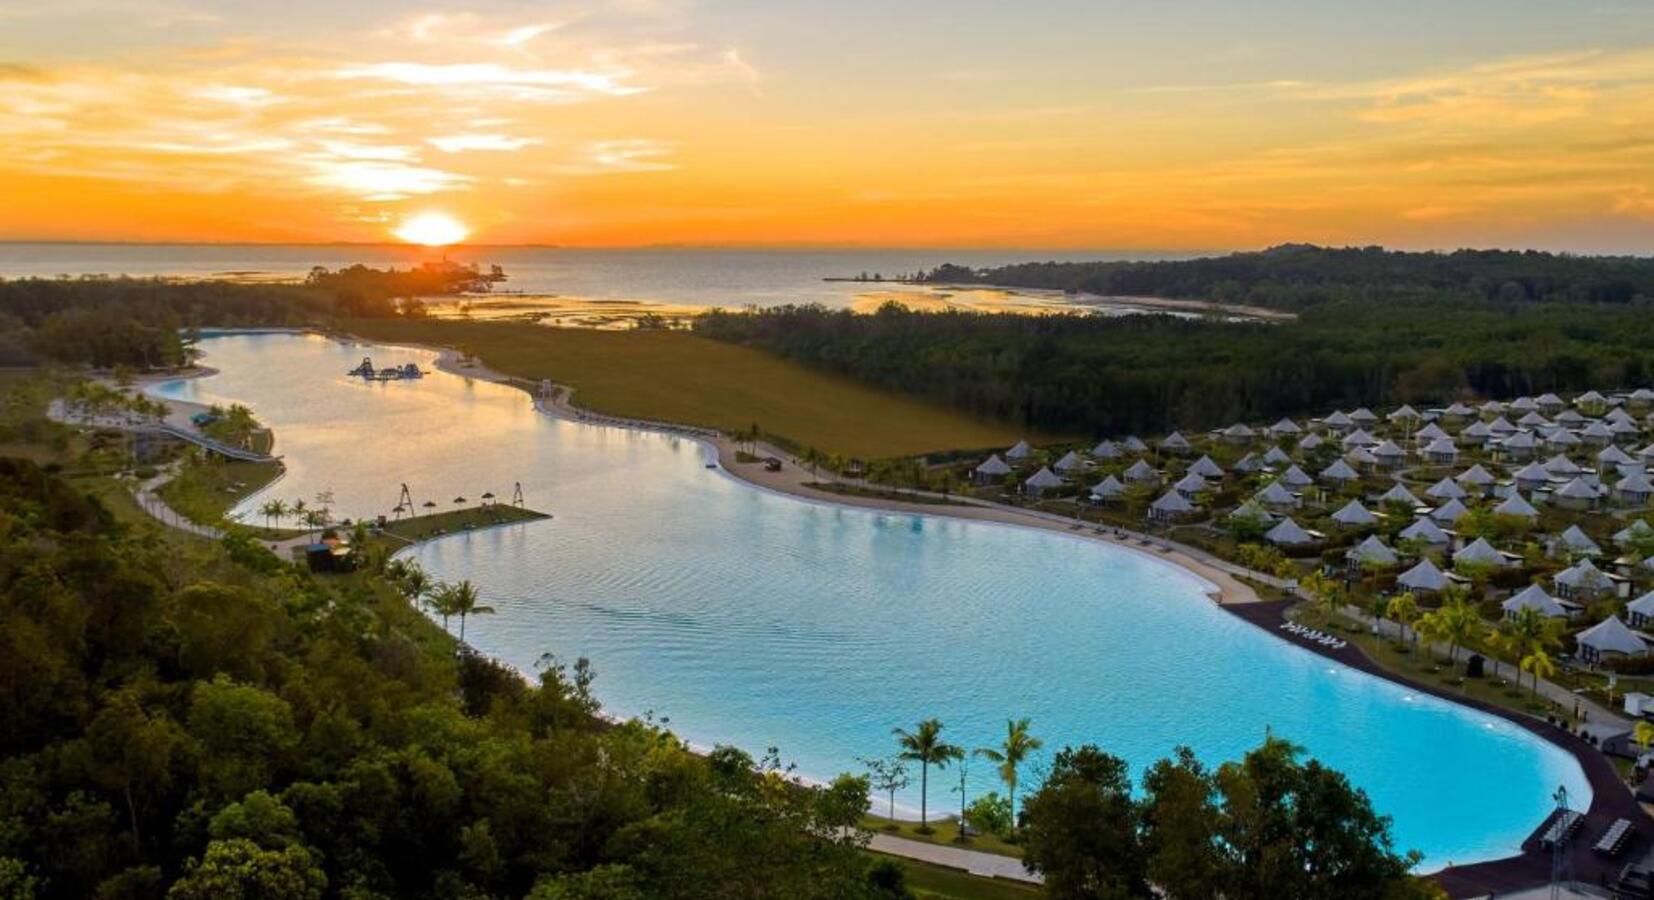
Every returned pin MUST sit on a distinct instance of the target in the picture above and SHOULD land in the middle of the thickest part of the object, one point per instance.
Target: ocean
(703, 278)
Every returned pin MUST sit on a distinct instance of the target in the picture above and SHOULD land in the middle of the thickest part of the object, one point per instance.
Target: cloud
(556, 85)
(612, 156)
(460, 143)
(383, 181)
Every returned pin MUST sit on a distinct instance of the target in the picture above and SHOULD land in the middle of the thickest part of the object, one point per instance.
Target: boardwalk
(985, 865)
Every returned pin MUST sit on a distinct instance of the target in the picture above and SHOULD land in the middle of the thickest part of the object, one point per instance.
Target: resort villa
(1537, 503)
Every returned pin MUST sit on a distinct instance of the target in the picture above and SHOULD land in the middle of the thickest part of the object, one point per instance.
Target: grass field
(207, 486)
(930, 882)
(943, 831)
(677, 377)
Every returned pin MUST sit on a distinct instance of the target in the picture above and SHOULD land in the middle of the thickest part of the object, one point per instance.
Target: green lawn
(407, 531)
(944, 832)
(678, 377)
(942, 883)
(1432, 669)
(208, 486)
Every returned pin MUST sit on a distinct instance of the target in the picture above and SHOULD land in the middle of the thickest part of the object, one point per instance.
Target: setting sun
(432, 230)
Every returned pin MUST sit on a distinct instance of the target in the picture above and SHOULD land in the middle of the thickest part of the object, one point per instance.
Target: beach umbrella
(430, 504)
(487, 497)
(458, 500)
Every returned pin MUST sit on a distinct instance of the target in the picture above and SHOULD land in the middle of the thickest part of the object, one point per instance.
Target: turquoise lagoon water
(760, 620)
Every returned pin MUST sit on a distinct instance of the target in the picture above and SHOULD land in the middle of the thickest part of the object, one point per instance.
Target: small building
(1108, 490)
(1583, 581)
(1106, 450)
(1400, 494)
(1238, 433)
(1140, 472)
(1532, 477)
(1639, 613)
(1476, 478)
(1424, 577)
(1284, 428)
(1638, 530)
(1427, 533)
(1354, 515)
(1042, 483)
(1575, 542)
(1441, 452)
(1634, 490)
(1446, 489)
(1514, 505)
(1358, 438)
(1576, 494)
(1370, 552)
(1020, 452)
(1296, 478)
(1170, 507)
(1404, 416)
(1607, 640)
(1339, 472)
(1070, 462)
(1449, 512)
(1275, 495)
(1311, 442)
(1534, 597)
(1176, 443)
(1518, 445)
(1481, 553)
(1206, 468)
(1275, 456)
(1388, 455)
(1561, 466)
(992, 471)
(1191, 485)
(1133, 444)
(1288, 533)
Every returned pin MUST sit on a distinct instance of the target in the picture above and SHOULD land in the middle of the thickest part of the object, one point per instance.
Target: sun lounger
(1614, 840)
(1561, 829)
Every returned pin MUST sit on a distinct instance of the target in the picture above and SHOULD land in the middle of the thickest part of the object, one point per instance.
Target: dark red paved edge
(1610, 799)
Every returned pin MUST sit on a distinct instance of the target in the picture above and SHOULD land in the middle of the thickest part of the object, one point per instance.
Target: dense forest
(141, 322)
(1095, 375)
(1294, 276)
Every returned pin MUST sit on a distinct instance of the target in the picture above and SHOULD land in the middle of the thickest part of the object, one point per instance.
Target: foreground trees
(179, 723)
(1266, 827)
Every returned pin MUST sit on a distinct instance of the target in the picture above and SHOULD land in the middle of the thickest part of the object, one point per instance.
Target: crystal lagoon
(744, 617)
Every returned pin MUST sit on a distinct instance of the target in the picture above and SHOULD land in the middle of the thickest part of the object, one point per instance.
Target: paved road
(985, 865)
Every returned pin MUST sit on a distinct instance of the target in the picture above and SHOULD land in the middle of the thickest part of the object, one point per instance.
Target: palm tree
(463, 602)
(415, 583)
(1457, 623)
(273, 511)
(1643, 734)
(1010, 755)
(1326, 592)
(925, 746)
(1539, 663)
(1404, 608)
(297, 509)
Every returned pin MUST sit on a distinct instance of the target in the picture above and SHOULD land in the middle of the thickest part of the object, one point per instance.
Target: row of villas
(1589, 456)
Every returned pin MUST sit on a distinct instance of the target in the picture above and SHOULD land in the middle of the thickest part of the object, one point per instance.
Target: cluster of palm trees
(442, 598)
(313, 518)
(925, 746)
(1526, 636)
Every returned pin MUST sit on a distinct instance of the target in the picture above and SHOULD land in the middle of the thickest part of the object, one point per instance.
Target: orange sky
(1102, 124)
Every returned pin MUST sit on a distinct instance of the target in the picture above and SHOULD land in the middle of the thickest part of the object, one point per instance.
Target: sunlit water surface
(760, 620)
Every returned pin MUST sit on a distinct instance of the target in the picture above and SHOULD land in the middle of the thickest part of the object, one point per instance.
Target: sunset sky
(1160, 124)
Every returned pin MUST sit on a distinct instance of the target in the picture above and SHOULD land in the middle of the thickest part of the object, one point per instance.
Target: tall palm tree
(415, 583)
(1539, 663)
(925, 746)
(465, 602)
(273, 511)
(1010, 755)
(1404, 608)
(441, 601)
(1459, 624)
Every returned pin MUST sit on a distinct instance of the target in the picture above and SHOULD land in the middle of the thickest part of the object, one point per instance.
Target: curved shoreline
(1503, 873)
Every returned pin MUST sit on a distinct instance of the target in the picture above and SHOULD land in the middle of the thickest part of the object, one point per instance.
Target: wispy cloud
(461, 143)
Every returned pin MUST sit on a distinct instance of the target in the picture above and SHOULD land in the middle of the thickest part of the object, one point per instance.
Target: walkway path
(985, 865)
(151, 503)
